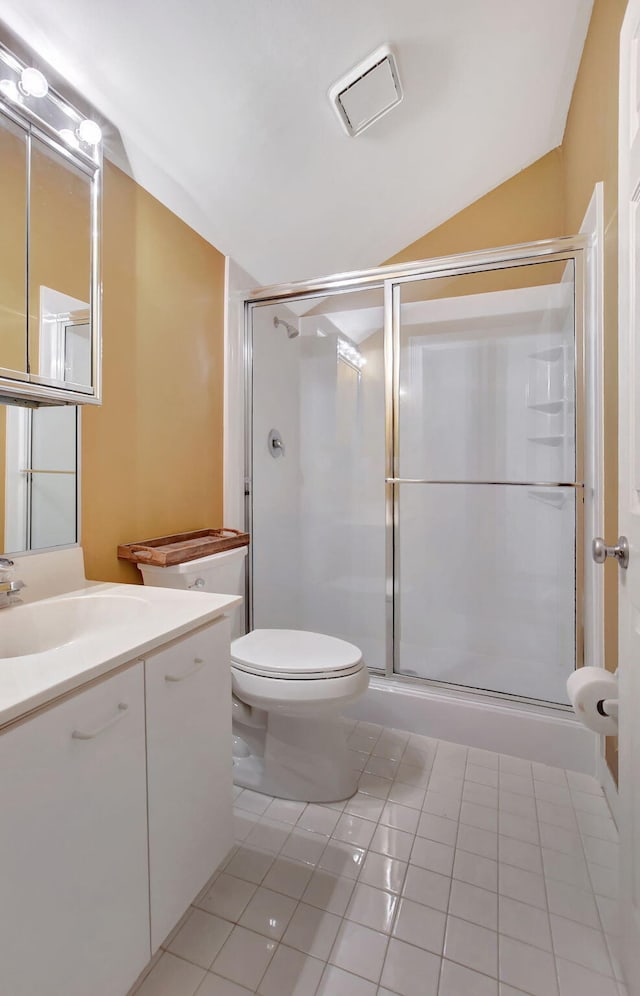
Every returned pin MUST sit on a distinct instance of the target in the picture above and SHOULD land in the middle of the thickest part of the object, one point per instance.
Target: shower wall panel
(342, 511)
(275, 549)
(318, 531)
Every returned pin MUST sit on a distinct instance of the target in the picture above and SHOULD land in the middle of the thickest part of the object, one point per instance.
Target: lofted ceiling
(220, 109)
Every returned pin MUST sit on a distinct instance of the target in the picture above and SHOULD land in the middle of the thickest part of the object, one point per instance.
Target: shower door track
(390, 279)
(466, 690)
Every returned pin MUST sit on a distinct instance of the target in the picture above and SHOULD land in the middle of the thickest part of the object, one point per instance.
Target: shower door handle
(600, 551)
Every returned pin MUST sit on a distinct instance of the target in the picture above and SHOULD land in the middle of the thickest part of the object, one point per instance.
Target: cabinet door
(189, 761)
(74, 915)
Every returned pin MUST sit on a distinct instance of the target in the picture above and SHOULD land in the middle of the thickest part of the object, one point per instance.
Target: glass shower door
(318, 539)
(485, 488)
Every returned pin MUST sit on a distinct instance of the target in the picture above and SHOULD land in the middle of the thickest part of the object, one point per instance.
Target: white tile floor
(452, 872)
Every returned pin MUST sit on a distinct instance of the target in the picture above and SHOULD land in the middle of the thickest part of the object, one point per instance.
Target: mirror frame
(44, 118)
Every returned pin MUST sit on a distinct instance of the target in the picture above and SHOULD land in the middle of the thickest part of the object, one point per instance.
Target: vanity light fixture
(39, 104)
(87, 131)
(33, 83)
(90, 132)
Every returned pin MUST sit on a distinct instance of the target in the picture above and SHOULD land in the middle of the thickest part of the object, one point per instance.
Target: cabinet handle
(198, 661)
(90, 734)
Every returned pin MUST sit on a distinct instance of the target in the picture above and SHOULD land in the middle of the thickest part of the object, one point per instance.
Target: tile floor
(452, 872)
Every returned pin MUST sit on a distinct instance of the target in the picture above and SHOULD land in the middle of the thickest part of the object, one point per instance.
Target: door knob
(600, 551)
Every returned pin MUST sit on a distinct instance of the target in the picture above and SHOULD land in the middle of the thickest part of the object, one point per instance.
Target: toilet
(288, 691)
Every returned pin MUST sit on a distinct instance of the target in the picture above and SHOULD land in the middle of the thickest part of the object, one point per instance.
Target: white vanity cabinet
(116, 808)
(74, 915)
(188, 697)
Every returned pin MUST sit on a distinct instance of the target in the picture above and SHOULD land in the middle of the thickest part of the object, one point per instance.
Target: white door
(189, 766)
(74, 919)
(629, 497)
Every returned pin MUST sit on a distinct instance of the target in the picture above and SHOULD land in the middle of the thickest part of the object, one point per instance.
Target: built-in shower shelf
(548, 497)
(550, 355)
(556, 440)
(548, 407)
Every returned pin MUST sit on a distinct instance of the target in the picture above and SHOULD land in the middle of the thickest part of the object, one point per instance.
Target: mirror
(39, 477)
(59, 344)
(46, 202)
(13, 247)
(50, 170)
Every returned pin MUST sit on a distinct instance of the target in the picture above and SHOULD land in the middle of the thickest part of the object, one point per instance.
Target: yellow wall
(526, 208)
(152, 454)
(13, 247)
(59, 239)
(550, 198)
(3, 447)
(59, 236)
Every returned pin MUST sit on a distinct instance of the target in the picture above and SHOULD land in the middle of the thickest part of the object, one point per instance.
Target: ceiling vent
(369, 91)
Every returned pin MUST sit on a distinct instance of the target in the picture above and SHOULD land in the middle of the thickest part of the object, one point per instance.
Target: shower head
(292, 331)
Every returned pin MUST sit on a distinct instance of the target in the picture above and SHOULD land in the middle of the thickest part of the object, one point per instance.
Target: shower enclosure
(415, 466)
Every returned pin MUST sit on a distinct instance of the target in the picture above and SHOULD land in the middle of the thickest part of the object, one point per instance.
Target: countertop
(161, 614)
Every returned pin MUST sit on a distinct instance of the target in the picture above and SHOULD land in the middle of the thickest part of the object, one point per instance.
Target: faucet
(8, 588)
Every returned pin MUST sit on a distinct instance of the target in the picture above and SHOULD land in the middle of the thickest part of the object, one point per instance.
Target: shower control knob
(600, 551)
(198, 583)
(275, 443)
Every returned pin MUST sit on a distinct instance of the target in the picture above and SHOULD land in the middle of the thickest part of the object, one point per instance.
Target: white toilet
(289, 687)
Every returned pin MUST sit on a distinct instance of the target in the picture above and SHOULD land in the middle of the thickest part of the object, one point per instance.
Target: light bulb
(32, 83)
(88, 131)
(9, 89)
(69, 137)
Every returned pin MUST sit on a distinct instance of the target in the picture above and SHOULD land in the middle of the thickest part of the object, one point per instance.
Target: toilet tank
(222, 573)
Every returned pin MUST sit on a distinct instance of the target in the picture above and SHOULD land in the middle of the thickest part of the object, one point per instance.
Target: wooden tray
(164, 551)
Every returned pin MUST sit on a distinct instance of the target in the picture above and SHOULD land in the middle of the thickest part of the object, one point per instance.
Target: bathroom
(471, 846)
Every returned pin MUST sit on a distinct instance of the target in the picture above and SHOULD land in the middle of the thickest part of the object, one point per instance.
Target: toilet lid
(294, 653)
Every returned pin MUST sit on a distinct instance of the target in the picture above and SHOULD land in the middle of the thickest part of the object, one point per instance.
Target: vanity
(115, 777)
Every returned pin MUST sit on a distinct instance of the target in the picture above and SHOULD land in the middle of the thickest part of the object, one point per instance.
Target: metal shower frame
(390, 279)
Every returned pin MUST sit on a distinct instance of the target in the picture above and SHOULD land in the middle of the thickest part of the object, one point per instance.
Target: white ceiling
(223, 112)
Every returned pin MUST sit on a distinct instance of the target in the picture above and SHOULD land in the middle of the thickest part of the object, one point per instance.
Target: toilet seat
(296, 655)
(312, 697)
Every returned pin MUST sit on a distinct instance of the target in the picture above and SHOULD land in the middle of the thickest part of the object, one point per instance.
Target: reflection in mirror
(65, 338)
(39, 477)
(59, 269)
(13, 247)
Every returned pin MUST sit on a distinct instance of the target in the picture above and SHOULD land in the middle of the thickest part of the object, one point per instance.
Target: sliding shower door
(316, 474)
(415, 466)
(485, 479)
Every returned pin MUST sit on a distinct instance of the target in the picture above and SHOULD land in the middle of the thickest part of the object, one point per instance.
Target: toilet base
(302, 758)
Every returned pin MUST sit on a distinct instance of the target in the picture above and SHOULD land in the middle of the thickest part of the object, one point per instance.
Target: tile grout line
(316, 866)
(546, 891)
(430, 760)
(386, 946)
(446, 921)
(598, 913)
(404, 879)
(399, 894)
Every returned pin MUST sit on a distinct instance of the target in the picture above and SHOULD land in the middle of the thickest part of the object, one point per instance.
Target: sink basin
(41, 626)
